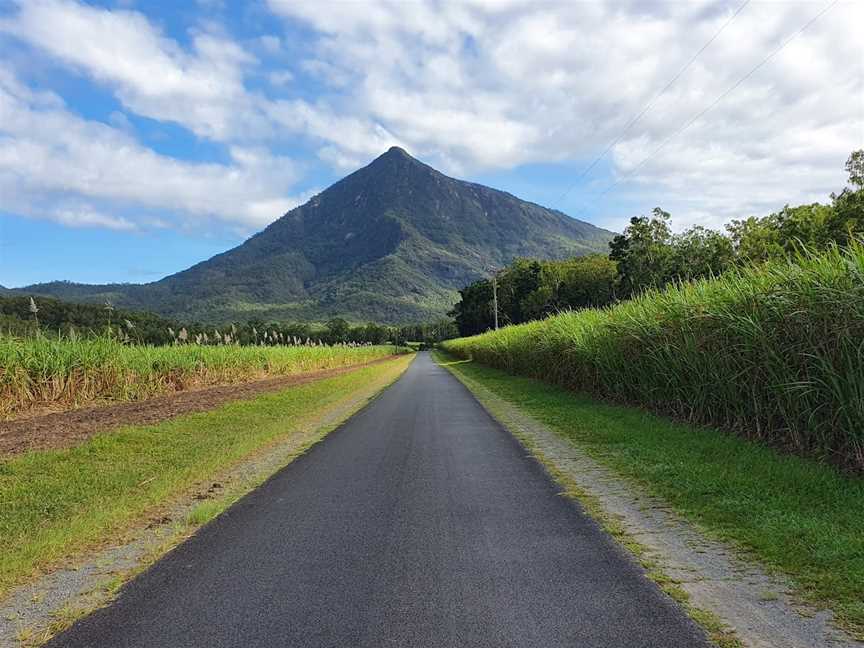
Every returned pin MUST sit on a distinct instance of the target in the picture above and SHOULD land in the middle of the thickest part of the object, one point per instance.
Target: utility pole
(495, 296)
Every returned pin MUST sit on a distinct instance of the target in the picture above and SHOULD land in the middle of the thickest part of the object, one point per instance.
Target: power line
(654, 99)
(728, 91)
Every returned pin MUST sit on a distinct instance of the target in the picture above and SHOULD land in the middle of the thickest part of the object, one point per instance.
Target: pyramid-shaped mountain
(392, 242)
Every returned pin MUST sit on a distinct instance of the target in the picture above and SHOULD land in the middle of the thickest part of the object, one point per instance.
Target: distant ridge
(391, 242)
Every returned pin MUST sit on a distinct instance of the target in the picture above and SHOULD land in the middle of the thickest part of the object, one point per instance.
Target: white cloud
(270, 43)
(202, 89)
(497, 84)
(281, 77)
(355, 138)
(328, 73)
(152, 75)
(85, 216)
(49, 157)
(469, 86)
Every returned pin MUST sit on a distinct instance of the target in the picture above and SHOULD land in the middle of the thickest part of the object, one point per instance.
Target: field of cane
(38, 373)
(773, 352)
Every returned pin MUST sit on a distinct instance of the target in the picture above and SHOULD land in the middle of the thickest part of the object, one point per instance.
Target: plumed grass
(39, 372)
(774, 352)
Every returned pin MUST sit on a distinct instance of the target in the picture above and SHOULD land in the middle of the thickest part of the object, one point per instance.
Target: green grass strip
(58, 502)
(793, 514)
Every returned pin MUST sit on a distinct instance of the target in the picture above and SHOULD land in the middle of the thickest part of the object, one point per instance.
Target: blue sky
(140, 137)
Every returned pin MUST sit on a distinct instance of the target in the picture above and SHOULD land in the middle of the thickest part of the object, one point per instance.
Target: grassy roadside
(793, 514)
(58, 503)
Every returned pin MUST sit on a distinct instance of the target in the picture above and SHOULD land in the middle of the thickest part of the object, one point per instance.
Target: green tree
(642, 253)
(515, 283)
(700, 252)
(754, 239)
(587, 282)
(855, 168)
(337, 330)
(473, 312)
(812, 227)
(848, 207)
(580, 282)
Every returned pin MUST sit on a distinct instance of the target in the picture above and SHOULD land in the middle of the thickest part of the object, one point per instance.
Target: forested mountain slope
(392, 242)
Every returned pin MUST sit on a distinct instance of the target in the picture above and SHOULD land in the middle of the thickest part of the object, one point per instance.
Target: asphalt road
(418, 523)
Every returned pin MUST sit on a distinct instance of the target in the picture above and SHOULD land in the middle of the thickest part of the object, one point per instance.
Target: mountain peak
(397, 155)
(393, 160)
(392, 242)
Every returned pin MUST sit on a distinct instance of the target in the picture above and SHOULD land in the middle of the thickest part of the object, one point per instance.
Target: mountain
(392, 242)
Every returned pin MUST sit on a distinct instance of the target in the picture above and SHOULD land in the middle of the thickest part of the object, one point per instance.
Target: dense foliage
(772, 351)
(648, 255)
(530, 289)
(23, 316)
(59, 319)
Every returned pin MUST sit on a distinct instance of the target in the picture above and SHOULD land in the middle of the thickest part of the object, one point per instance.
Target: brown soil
(65, 429)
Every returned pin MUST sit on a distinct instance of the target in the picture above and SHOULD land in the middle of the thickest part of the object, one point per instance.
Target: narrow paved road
(419, 523)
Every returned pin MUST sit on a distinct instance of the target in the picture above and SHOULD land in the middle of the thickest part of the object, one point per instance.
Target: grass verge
(792, 514)
(57, 503)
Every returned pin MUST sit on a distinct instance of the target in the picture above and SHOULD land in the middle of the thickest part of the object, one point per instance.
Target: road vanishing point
(420, 522)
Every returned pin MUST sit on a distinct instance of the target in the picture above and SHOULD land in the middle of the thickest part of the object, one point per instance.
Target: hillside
(392, 242)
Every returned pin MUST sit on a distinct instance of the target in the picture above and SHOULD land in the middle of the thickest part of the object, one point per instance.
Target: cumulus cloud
(49, 156)
(201, 88)
(281, 77)
(85, 216)
(152, 75)
(469, 86)
(497, 84)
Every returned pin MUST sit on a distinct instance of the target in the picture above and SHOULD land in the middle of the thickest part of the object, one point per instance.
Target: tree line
(23, 315)
(649, 255)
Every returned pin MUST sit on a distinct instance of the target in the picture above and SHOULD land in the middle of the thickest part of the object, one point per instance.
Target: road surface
(419, 523)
